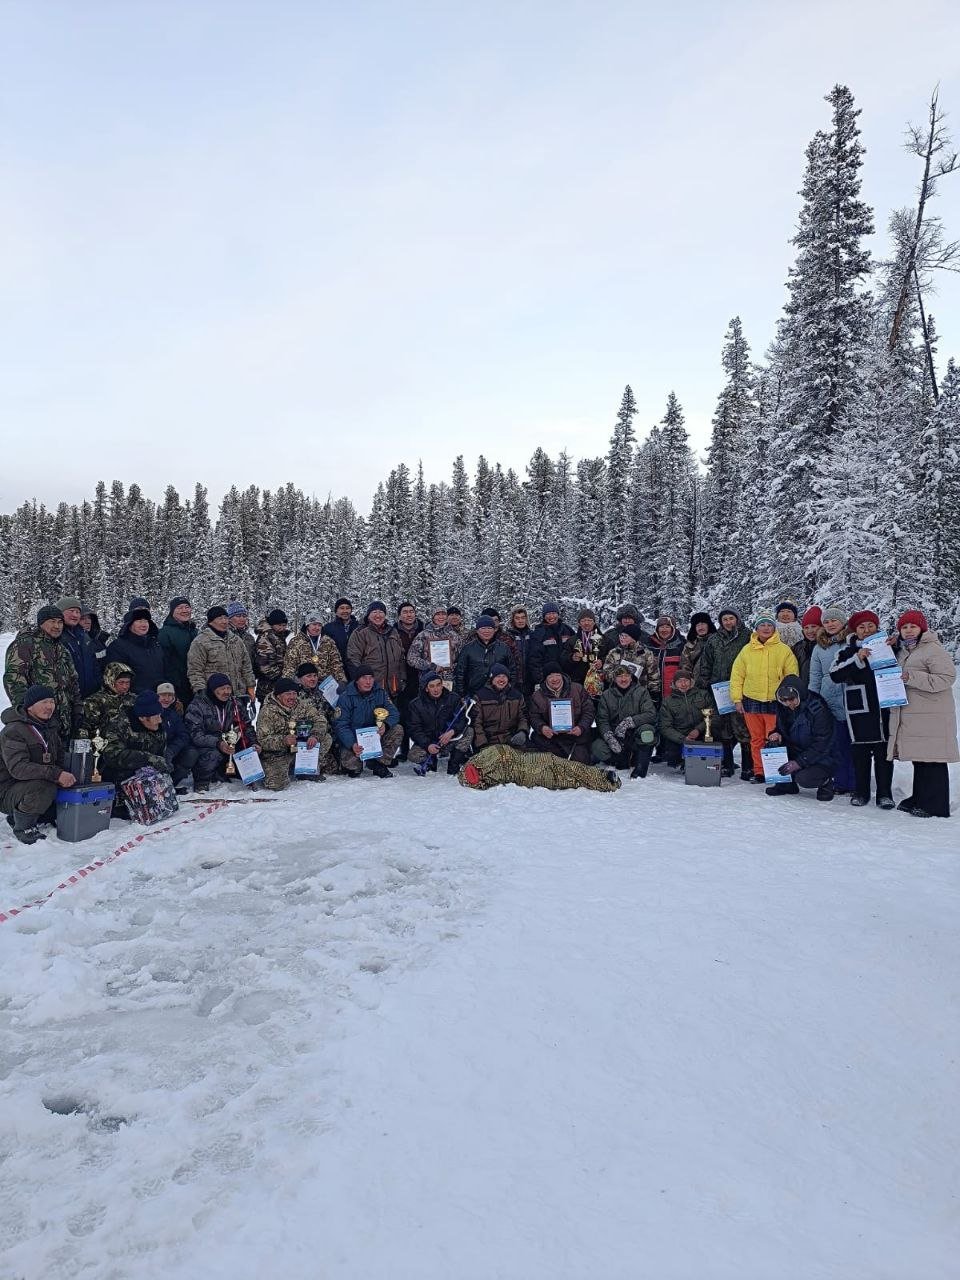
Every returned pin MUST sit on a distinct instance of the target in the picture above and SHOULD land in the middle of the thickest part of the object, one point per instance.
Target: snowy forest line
(833, 472)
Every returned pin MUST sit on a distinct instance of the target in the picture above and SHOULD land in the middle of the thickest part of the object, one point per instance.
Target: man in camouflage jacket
(273, 632)
(287, 703)
(107, 703)
(311, 645)
(37, 656)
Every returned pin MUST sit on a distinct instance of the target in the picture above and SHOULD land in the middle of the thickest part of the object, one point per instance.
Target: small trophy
(98, 745)
(381, 715)
(292, 726)
(707, 717)
(231, 737)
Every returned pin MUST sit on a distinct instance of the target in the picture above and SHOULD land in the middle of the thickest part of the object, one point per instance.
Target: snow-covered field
(402, 1031)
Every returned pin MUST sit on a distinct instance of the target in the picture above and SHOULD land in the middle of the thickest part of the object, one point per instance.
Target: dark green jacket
(682, 712)
(175, 641)
(33, 658)
(719, 651)
(131, 746)
(616, 705)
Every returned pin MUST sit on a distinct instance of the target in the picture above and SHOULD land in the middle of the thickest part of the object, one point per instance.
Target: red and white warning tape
(97, 863)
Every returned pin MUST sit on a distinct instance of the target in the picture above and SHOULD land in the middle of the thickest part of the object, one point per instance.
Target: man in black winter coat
(82, 649)
(138, 647)
(805, 728)
(342, 627)
(478, 656)
(428, 717)
(546, 643)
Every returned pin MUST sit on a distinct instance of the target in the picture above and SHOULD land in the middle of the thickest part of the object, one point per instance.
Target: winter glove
(158, 763)
(613, 742)
(626, 723)
(647, 736)
(518, 740)
(792, 766)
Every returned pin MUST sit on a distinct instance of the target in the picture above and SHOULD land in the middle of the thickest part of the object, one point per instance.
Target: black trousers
(931, 788)
(864, 754)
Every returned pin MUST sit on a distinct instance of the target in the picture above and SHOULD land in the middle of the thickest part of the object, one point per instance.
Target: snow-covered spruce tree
(588, 535)
(616, 549)
(937, 511)
(822, 336)
(733, 424)
(644, 525)
(680, 496)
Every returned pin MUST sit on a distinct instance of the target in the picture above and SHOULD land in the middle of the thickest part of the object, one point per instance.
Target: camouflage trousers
(278, 770)
(390, 743)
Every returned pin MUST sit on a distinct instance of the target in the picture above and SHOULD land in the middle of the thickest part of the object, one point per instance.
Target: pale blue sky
(249, 242)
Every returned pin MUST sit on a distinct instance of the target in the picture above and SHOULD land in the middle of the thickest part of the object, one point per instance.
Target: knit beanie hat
(787, 604)
(683, 673)
(166, 687)
(307, 669)
(236, 610)
(177, 601)
(438, 608)
(376, 604)
(863, 615)
(621, 670)
(216, 611)
(342, 600)
(813, 617)
(49, 613)
(276, 618)
(550, 606)
(362, 670)
(491, 611)
(69, 602)
(139, 614)
(630, 629)
(217, 681)
(454, 609)
(428, 677)
(484, 620)
(764, 615)
(498, 669)
(586, 613)
(147, 704)
(140, 602)
(729, 609)
(285, 685)
(313, 619)
(88, 610)
(914, 617)
(552, 669)
(37, 693)
(833, 613)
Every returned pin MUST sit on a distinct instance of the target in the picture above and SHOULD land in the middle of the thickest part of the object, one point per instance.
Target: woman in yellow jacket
(757, 671)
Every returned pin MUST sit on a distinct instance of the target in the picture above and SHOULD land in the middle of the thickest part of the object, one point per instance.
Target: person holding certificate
(363, 714)
(561, 714)
(436, 647)
(925, 730)
(804, 726)
(868, 723)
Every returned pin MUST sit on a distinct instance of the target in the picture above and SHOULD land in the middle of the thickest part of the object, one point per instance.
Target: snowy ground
(392, 1030)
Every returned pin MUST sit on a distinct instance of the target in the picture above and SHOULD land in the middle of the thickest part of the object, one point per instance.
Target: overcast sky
(251, 242)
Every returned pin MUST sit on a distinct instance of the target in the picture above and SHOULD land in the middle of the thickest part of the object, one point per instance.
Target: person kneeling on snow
(499, 718)
(181, 753)
(805, 728)
(30, 763)
(284, 707)
(210, 716)
(356, 709)
(681, 717)
(429, 719)
(573, 743)
(626, 717)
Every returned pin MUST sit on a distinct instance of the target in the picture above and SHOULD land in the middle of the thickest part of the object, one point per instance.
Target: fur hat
(787, 604)
(628, 610)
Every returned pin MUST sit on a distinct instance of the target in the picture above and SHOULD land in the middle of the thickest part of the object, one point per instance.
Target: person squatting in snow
(547, 705)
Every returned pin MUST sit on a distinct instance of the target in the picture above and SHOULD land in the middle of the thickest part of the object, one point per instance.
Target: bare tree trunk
(931, 370)
(910, 267)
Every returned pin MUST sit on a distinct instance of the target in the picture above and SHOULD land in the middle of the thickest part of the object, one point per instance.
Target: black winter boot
(454, 764)
(25, 828)
(826, 792)
(727, 767)
(784, 789)
(379, 769)
(641, 763)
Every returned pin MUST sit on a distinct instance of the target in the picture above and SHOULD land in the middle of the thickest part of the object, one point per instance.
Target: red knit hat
(813, 617)
(863, 615)
(912, 616)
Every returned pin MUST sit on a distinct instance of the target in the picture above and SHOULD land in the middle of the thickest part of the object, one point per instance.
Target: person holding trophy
(294, 736)
(366, 726)
(219, 726)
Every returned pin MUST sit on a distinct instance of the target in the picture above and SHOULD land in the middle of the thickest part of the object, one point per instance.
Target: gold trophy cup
(292, 726)
(707, 717)
(381, 715)
(98, 744)
(231, 737)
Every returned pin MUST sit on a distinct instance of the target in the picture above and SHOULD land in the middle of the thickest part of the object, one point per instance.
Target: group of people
(185, 699)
